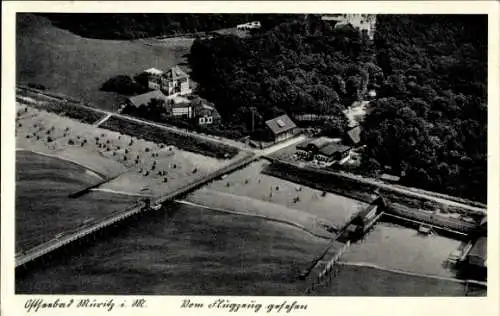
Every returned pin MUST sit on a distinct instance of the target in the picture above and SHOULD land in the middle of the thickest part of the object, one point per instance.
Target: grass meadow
(76, 66)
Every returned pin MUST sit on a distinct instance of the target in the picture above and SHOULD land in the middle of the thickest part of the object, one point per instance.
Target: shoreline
(264, 217)
(87, 169)
(414, 274)
(244, 205)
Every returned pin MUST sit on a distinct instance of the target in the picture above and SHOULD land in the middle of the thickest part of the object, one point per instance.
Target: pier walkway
(23, 258)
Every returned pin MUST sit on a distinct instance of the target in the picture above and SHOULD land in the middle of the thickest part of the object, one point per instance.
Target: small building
(365, 219)
(154, 78)
(180, 106)
(204, 113)
(333, 152)
(280, 128)
(389, 177)
(371, 94)
(249, 26)
(176, 81)
(477, 255)
(146, 98)
(309, 149)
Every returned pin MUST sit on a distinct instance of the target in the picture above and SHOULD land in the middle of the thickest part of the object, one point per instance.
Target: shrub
(71, 142)
(123, 85)
(49, 139)
(37, 86)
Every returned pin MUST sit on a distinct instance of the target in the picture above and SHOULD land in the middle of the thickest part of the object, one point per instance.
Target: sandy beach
(133, 166)
(243, 205)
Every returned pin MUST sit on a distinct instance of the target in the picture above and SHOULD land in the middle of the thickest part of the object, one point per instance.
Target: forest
(429, 122)
(141, 25)
(298, 67)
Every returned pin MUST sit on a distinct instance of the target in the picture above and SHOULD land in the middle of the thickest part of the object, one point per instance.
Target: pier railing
(326, 273)
(36, 252)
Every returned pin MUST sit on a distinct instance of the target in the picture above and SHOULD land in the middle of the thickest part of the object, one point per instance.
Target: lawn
(76, 66)
(158, 135)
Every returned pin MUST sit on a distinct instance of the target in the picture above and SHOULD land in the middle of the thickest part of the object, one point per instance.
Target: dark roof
(355, 134)
(280, 124)
(321, 142)
(317, 143)
(333, 148)
(203, 107)
(479, 248)
(303, 146)
(143, 99)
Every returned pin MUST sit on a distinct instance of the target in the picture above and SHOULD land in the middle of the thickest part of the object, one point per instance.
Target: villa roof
(280, 124)
(175, 73)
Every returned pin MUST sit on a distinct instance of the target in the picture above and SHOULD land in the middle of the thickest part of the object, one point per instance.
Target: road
(412, 193)
(274, 148)
(173, 129)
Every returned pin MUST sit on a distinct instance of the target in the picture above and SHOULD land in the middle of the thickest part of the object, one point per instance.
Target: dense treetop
(429, 120)
(139, 25)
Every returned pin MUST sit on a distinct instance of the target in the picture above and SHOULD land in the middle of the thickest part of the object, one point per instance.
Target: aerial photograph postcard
(251, 154)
